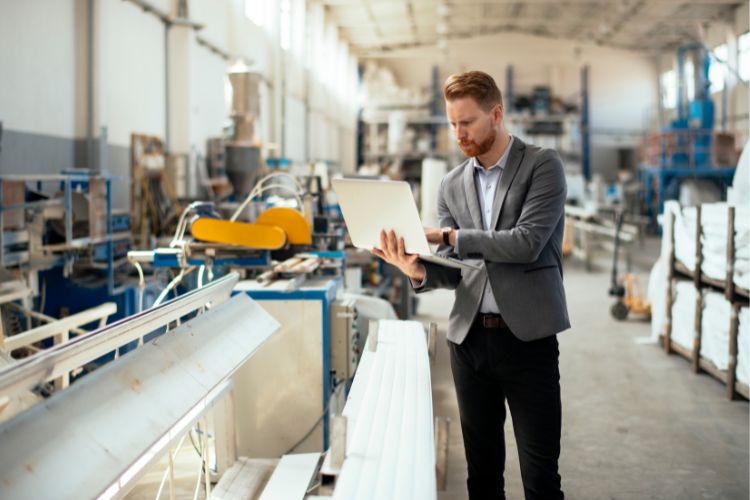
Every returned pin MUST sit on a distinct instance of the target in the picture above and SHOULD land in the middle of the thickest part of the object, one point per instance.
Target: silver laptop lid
(369, 206)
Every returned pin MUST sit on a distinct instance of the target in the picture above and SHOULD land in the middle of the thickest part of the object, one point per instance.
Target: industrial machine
(120, 420)
(61, 238)
(346, 339)
(243, 162)
(688, 147)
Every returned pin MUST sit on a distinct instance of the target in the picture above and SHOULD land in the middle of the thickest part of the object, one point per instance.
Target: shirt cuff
(458, 233)
(419, 284)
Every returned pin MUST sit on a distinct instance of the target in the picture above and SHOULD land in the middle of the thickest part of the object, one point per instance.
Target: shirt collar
(499, 164)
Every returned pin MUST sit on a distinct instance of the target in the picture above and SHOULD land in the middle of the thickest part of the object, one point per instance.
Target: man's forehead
(462, 107)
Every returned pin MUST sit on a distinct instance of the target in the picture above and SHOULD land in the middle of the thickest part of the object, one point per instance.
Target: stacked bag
(715, 325)
(743, 346)
(714, 223)
(683, 314)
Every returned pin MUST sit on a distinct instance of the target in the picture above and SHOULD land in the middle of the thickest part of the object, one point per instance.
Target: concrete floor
(637, 424)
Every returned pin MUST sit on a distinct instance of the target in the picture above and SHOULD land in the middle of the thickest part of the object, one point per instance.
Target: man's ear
(498, 113)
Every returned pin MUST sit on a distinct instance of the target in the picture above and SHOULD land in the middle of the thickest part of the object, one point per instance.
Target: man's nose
(461, 133)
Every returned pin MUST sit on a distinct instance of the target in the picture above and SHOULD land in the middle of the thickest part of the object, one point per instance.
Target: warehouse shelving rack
(737, 297)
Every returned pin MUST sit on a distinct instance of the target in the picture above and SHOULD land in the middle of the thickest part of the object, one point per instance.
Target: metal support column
(585, 125)
(509, 89)
(435, 106)
(110, 244)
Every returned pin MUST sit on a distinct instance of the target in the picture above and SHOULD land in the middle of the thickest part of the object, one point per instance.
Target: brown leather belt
(490, 321)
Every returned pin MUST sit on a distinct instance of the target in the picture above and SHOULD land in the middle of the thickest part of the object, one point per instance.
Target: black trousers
(490, 367)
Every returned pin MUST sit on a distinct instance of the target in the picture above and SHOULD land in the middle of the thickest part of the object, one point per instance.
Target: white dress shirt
(486, 181)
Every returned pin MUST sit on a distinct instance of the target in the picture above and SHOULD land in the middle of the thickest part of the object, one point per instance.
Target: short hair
(475, 84)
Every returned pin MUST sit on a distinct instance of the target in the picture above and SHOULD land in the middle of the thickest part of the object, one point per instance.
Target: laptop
(370, 206)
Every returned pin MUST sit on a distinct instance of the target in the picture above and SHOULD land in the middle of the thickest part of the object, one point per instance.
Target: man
(502, 208)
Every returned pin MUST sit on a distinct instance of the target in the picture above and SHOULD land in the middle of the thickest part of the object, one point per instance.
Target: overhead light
(441, 28)
(442, 44)
(443, 10)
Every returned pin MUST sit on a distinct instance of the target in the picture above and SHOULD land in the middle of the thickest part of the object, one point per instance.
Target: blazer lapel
(511, 168)
(471, 196)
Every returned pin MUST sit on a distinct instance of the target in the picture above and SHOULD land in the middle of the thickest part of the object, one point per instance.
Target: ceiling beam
(468, 3)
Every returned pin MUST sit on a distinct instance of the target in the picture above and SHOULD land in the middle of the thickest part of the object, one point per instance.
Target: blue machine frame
(69, 181)
(685, 147)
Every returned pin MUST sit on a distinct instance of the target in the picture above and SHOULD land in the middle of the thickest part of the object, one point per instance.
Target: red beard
(471, 148)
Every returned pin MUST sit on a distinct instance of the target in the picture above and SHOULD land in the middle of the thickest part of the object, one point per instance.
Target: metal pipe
(57, 360)
(90, 84)
(167, 25)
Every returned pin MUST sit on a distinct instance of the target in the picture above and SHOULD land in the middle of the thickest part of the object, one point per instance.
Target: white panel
(215, 18)
(292, 477)
(294, 134)
(390, 450)
(272, 417)
(39, 66)
(208, 110)
(131, 71)
(77, 443)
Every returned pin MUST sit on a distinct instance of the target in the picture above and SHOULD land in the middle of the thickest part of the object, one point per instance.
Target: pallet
(737, 296)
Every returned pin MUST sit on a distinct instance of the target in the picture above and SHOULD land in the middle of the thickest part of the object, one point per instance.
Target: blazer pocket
(551, 266)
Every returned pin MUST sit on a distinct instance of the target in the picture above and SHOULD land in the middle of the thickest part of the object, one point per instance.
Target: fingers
(393, 249)
(392, 243)
(408, 258)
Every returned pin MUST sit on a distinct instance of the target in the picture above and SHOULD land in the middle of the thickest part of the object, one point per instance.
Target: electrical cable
(258, 189)
(336, 388)
(183, 272)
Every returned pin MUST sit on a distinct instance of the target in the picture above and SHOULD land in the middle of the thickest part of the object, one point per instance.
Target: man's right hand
(392, 250)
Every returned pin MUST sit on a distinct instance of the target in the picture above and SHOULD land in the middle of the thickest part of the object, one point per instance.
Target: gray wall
(29, 153)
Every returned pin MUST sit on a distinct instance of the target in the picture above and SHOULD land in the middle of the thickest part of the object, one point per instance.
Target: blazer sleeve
(438, 276)
(540, 213)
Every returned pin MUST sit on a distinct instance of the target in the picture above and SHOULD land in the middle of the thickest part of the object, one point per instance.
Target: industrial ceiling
(377, 26)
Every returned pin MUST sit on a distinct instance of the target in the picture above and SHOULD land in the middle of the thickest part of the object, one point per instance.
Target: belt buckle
(489, 321)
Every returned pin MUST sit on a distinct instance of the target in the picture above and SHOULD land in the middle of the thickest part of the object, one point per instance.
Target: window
(717, 71)
(255, 11)
(743, 56)
(669, 89)
(286, 24)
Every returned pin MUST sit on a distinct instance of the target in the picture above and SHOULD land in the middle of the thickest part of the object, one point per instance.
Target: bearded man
(502, 209)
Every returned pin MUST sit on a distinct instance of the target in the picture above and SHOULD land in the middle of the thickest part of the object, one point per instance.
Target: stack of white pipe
(390, 450)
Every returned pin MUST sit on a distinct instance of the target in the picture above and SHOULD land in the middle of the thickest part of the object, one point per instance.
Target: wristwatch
(447, 235)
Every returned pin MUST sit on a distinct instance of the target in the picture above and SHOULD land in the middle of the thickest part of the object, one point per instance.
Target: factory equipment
(121, 419)
(293, 413)
(688, 147)
(382, 444)
(346, 339)
(62, 221)
(243, 159)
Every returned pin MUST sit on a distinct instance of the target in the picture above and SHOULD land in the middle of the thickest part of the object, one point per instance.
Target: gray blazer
(521, 255)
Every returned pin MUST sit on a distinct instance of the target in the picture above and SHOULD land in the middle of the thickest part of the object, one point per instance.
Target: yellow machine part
(293, 223)
(259, 236)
